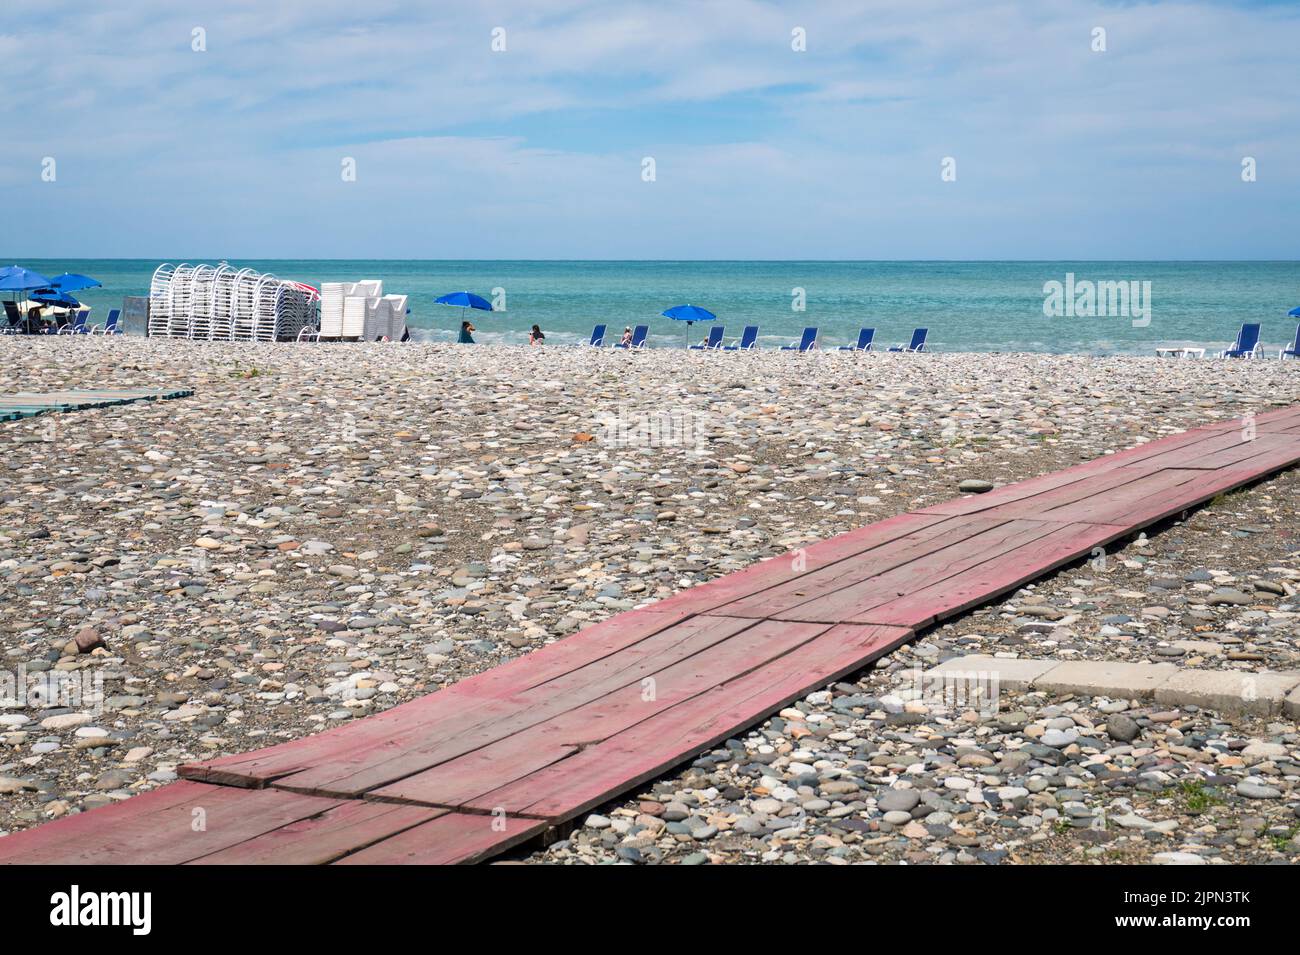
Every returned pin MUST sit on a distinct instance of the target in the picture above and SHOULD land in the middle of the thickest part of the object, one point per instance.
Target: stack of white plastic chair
(332, 295)
(396, 317)
(210, 303)
(224, 287)
(178, 318)
(160, 300)
(354, 316)
(201, 292)
(265, 308)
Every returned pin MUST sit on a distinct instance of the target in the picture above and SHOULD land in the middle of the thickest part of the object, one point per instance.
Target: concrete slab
(1121, 681)
(1229, 691)
(1010, 674)
(1291, 705)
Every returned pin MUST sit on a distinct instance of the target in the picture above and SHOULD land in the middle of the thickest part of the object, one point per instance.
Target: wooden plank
(168, 826)
(1137, 486)
(1199, 488)
(453, 771)
(348, 827)
(707, 597)
(1266, 452)
(1225, 449)
(851, 604)
(430, 714)
(989, 579)
(598, 772)
(425, 745)
(452, 839)
(1035, 496)
(894, 553)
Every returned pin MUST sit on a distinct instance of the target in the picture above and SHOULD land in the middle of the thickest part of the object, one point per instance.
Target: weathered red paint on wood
(168, 826)
(410, 753)
(479, 695)
(455, 838)
(574, 785)
(458, 770)
(349, 826)
(891, 554)
(852, 604)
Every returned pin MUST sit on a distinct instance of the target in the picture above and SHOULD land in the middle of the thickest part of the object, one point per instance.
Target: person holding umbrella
(465, 300)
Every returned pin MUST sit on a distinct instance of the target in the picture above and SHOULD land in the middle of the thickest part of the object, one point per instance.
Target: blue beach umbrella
(465, 300)
(15, 278)
(72, 282)
(1295, 312)
(690, 314)
(54, 297)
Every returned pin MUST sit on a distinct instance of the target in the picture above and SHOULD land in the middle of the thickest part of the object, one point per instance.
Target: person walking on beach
(627, 338)
(466, 334)
(535, 337)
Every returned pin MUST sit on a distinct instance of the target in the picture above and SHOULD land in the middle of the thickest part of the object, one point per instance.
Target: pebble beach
(321, 532)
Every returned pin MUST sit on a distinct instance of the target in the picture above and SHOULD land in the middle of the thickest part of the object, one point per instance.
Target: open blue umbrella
(690, 314)
(1295, 312)
(465, 300)
(54, 297)
(15, 278)
(72, 282)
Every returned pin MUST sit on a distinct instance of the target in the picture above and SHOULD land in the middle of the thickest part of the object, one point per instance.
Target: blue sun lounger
(806, 343)
(638, 337)
(597, 336)
(78, 324)
(916, 344)
(110, 325)
(1294, 348)
(714, 340)
(1247, 343)
(747, 341)
(865, 337)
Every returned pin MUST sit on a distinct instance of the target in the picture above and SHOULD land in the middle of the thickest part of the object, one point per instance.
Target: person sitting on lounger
(466, 334)
(535, 337)
(627, 338)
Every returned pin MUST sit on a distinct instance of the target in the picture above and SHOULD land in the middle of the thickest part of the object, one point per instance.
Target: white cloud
(762, 151)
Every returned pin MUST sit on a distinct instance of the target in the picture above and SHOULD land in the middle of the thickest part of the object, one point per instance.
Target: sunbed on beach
(747, 341)
(806, 343)
(1247, 344)
(110, 324)
(14, 316)
(78, 324)
(1294, 348)
(865, 338)
(597, 336)
(714, 340)
(916, 344)
(638, 338)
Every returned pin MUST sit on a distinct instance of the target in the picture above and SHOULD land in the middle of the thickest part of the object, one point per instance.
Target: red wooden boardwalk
(469, 771)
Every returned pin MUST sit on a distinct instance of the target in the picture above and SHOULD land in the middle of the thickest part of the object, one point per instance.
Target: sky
(158, 129)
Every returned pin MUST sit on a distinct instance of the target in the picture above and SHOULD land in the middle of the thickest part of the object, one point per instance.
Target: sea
(966, 305)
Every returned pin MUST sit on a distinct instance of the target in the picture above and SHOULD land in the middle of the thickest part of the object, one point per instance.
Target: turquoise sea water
(968, 306)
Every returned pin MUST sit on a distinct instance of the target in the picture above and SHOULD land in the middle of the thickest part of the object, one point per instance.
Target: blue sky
(760, 151)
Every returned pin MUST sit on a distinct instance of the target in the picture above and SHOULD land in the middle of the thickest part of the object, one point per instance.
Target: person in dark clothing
(535, 337)
(466, 334)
